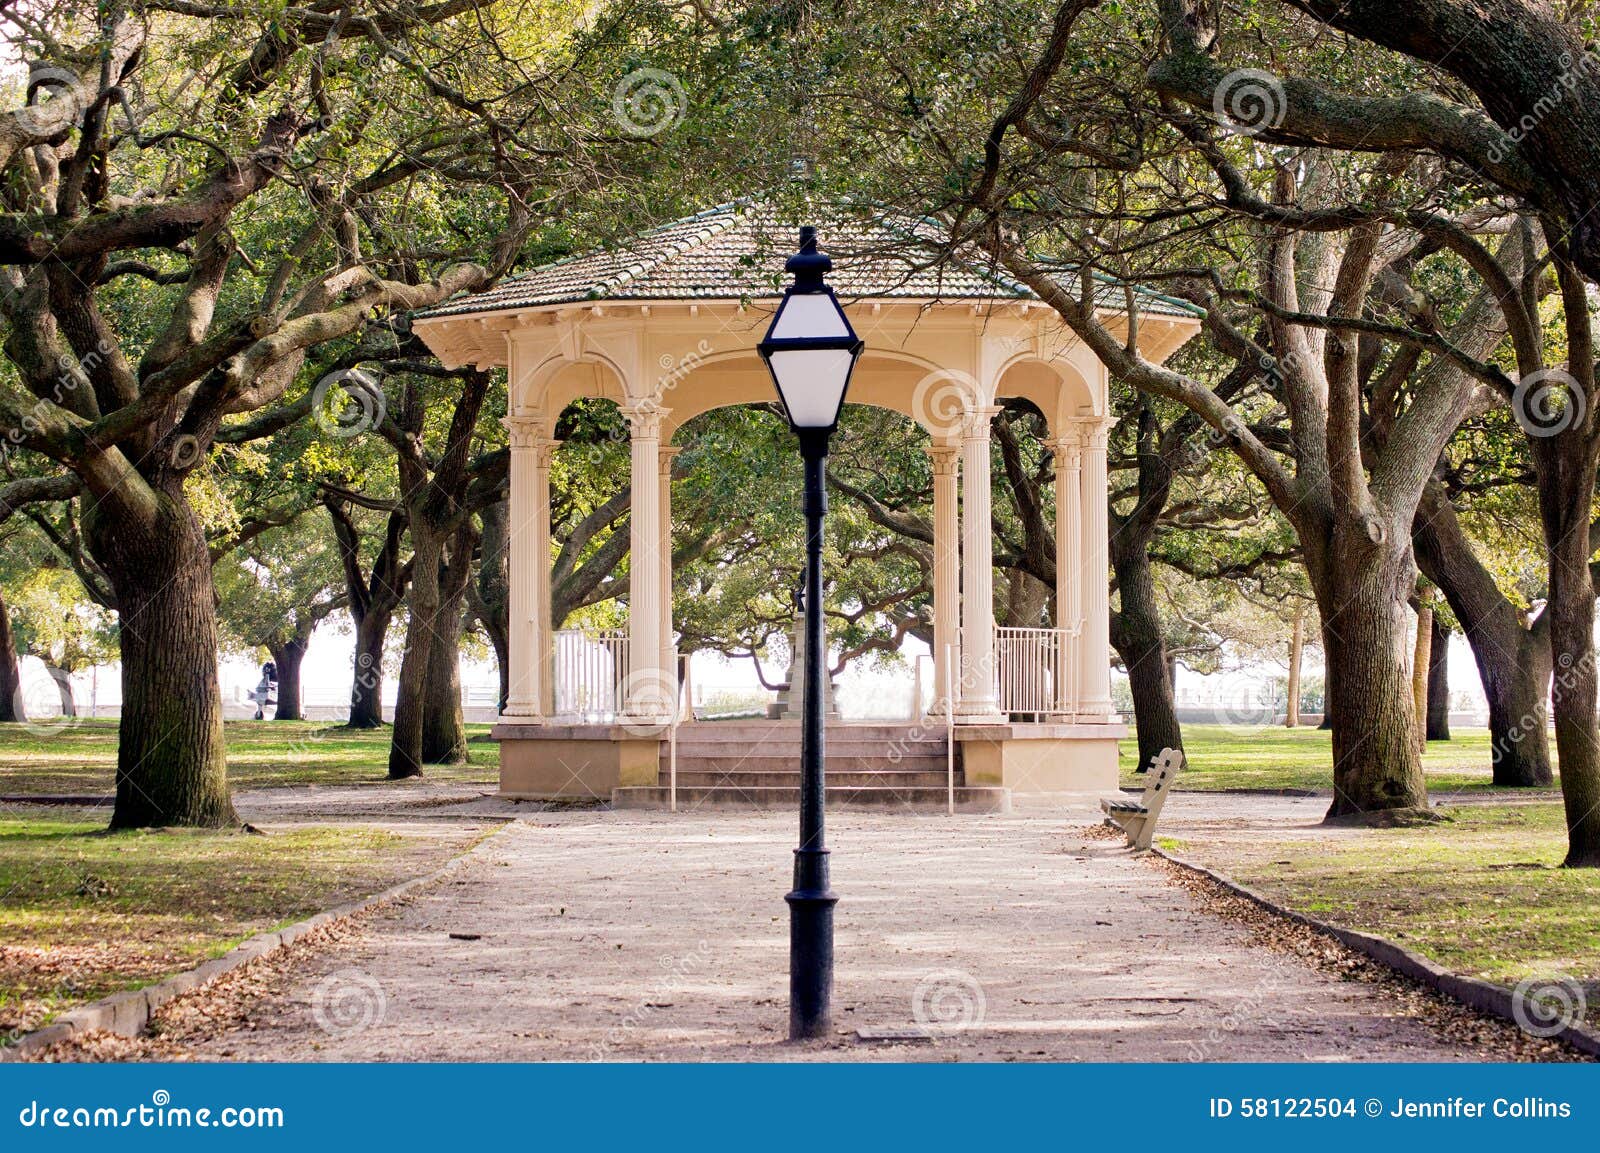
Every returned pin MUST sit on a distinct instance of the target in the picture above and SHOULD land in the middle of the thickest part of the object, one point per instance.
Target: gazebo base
(1042, 758)
(757, 763)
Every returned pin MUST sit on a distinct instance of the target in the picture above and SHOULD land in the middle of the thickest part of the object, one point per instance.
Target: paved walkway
(586, 935)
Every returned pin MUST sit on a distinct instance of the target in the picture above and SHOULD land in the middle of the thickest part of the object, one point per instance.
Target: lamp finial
(808, 266)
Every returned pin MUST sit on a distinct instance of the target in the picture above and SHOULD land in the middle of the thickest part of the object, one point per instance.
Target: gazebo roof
(736, 252)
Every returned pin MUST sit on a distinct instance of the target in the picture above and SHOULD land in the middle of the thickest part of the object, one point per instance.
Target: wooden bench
(1137, 819)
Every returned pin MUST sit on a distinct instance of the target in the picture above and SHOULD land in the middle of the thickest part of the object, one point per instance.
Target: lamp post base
(810, 947)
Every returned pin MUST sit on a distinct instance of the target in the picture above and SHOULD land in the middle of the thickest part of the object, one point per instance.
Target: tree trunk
(1297, 651)
(288, 657)
(1026, 598)
(1439, 682)
(69, 703)
(1420, 663)
(1571, 610)
(491, 600)
(1136, 634)
(444, 736)
(1513, 658)
(1362, 596)
(171, 759)
(372, 606)
(405, 746)
(366, 686)
(12, 705)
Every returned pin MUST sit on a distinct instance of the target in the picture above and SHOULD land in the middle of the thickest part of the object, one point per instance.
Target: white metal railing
(590, 671)
(1036, 668)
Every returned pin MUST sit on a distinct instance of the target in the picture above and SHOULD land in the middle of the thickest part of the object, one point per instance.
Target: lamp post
(810, 349)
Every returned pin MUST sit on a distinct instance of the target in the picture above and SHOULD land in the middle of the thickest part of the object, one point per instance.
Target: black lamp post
(810, 351)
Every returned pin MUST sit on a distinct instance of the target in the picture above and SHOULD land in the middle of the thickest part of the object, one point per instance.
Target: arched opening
(738, 546)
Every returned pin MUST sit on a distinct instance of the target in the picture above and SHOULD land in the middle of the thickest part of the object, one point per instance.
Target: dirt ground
(651, 936)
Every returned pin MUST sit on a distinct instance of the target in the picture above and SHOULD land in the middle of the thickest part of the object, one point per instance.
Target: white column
(1094, 651)
(977, 702)
(1069, 581)
(946, 459)
(668, 452)
(528, 564)
(543, 633)
(647, 698)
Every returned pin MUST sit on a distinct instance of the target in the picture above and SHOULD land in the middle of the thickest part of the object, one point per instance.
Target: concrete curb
(1484, 996)
(80, 800)
(128, 1013)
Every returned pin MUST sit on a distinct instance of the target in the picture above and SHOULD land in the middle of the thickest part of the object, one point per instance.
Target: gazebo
(666, 326)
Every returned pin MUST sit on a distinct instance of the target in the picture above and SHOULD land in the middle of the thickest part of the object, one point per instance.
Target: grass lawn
(1258, 757)
(1481, 893)
(84, 913)
(82, 759)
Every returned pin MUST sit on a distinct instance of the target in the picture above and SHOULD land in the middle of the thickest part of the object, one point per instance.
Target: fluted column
(977, 700)
(946, 460)
(1094, 649)
(529, 567)
(543, 626)
(647, 699)
(668, 453)
(1069, 570)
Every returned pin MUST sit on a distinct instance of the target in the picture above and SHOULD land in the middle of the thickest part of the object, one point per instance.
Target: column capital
(975, 422)
(666, 455)
(644, 418)
(526, 431)
(1093, 432)
(1068, 451)
(946, 458)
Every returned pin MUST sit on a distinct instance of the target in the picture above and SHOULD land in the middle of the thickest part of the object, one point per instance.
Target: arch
(885, 378)
(558, 381)
(1055, 387)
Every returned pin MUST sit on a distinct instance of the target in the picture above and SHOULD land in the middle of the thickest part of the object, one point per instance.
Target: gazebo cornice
(481, 338)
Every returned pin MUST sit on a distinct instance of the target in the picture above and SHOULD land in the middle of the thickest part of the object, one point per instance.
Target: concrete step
(969, 799)
(750, 732)
(836, 762)
(836, 779)
(843, 744)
